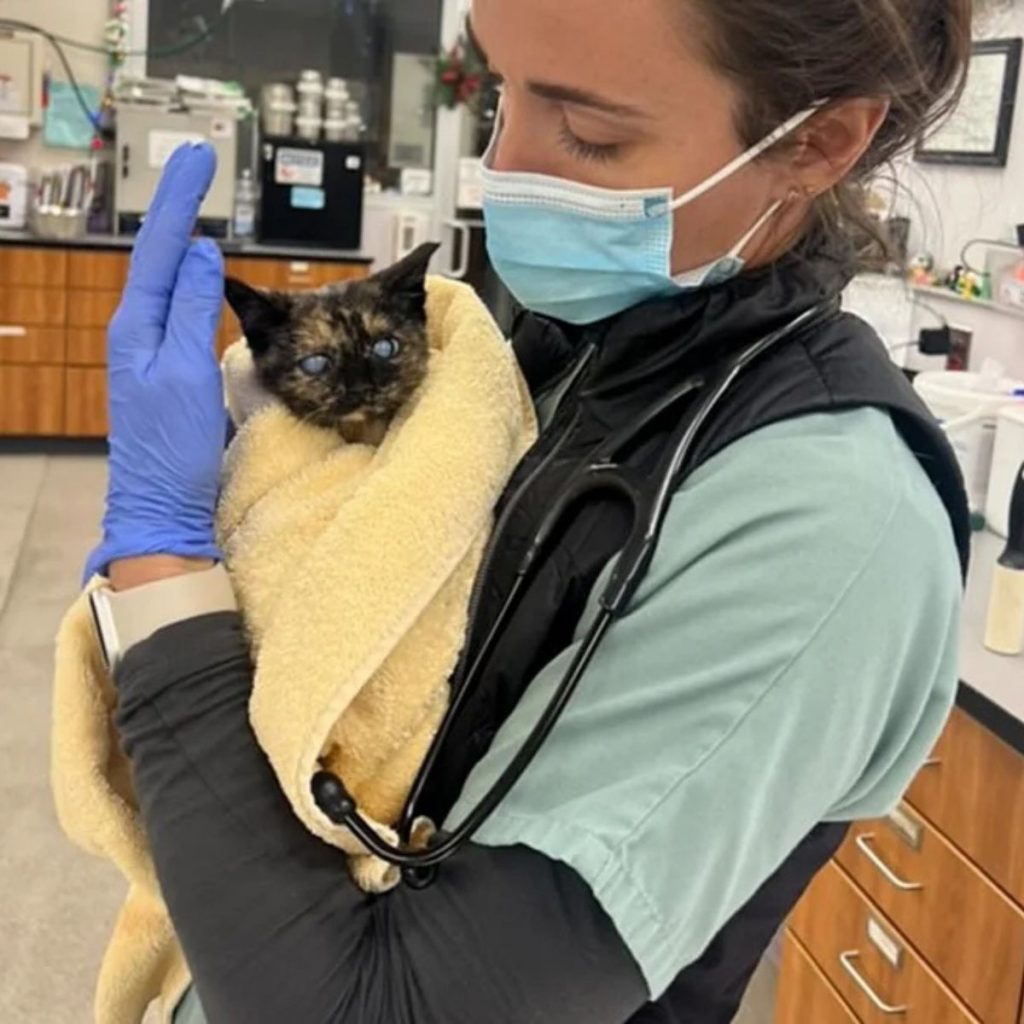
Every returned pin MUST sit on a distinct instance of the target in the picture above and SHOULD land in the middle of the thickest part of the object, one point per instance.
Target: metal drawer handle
(933, 762)
(890, 876)
(846, 962)
(10, 331)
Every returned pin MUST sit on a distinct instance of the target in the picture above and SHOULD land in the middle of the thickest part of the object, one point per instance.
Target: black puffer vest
(641, 356)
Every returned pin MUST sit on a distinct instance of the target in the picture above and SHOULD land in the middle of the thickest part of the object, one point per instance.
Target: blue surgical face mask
(580, 253)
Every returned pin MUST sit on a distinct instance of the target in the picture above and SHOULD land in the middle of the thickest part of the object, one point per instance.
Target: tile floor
(58, 904)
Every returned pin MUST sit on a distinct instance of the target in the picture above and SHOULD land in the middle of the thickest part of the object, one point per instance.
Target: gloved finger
(167, 232)
(196, 304)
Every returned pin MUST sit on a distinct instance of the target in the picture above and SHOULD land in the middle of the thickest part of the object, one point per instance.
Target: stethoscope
(602, 474)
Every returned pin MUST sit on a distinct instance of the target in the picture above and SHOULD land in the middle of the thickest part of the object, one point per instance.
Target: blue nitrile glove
(167, 414)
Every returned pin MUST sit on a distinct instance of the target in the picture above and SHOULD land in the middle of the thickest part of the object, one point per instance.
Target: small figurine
(922, 270)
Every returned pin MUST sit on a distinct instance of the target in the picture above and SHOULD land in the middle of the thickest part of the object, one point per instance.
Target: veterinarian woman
(790, 656)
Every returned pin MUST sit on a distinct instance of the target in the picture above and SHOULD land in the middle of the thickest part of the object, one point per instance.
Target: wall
(82, 20)
(950, 205)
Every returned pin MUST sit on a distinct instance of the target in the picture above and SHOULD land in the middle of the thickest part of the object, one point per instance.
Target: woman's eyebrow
(562, 93)
(583, 98)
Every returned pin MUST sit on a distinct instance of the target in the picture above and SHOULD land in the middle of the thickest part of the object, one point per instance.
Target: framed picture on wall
(979, 131)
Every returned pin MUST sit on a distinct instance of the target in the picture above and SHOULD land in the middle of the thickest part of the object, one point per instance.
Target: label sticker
(222, 128)
(304, 198)
(903, 823)
(163, 144)
(299, 167)
(353, 162)
(885, 943)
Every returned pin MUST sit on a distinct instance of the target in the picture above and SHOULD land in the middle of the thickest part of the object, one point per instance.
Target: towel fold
(353, 567)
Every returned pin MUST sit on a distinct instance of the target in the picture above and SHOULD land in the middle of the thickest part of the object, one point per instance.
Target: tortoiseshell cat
(347, 357)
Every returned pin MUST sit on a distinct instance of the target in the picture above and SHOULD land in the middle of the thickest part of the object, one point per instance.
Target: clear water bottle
(245, 207)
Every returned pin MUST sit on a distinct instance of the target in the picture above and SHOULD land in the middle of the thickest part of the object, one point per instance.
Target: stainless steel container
(277, 109)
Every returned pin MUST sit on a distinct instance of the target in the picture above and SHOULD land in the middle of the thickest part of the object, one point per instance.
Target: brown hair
(785, 55)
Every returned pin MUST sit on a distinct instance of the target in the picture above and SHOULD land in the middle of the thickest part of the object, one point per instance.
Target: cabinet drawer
(972, 789)
(865, 958)
(257, 273)
(31, 401)
(293, 275)
(805, 994)
(87, 346)
(92, 309)
(23, 345)
(298, 274)
(955, 917)
(32, 307)
(43, 268)
(86, 403)
(98, 271)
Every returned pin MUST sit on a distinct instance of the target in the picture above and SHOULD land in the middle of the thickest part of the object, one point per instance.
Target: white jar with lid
(309, 128)
(336, 95)
(311, 96)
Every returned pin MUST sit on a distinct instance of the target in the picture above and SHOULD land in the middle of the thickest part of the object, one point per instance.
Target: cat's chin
(361, 428)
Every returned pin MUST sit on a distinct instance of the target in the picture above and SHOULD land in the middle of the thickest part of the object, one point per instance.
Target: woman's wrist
(127, 573)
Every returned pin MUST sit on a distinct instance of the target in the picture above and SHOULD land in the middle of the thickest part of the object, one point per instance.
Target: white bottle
(244, 226)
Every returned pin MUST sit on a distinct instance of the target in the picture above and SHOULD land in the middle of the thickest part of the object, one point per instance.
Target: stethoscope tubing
(419, 866)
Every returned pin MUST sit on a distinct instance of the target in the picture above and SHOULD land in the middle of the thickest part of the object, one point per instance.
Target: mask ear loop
(735, 252)
(746, 158)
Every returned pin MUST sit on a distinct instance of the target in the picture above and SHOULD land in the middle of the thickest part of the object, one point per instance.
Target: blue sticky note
(308, 198)
(66, 125)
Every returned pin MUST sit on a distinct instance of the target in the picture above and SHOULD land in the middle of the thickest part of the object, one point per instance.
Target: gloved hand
(167, 416)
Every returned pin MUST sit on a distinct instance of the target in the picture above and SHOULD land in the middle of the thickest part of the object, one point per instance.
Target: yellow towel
(353, 568)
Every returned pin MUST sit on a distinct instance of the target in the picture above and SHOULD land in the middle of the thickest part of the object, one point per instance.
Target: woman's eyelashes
(583, 150)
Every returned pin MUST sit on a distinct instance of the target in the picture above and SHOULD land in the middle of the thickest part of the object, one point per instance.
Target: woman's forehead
(633, 52)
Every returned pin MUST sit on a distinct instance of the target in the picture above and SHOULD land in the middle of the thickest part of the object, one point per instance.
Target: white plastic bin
(968, 407)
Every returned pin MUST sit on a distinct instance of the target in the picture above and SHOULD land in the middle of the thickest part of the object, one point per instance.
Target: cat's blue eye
(314, 366)
(386, 348)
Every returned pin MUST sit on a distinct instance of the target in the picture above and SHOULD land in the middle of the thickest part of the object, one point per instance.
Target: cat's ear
(408, 278)
(261, 314)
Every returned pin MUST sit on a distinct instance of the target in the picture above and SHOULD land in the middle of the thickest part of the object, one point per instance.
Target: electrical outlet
(959, 357)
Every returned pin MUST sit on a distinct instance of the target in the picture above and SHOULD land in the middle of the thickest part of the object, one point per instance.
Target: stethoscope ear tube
(650, 507)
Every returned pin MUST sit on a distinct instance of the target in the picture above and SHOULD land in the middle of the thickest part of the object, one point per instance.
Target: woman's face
(613, 93)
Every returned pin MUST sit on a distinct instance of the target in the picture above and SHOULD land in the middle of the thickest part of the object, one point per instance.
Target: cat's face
(351, 350)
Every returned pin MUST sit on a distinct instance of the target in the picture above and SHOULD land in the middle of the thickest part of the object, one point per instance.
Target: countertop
(254, 250)
(993, 686)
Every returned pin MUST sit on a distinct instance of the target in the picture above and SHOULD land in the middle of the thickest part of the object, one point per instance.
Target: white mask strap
(737, 250)
(745, 158)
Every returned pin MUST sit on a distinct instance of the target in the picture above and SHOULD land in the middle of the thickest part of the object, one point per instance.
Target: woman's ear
(833, 141)
(260, 313)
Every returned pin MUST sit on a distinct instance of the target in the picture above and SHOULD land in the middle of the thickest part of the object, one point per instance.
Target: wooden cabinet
(98, 271)
(39, 268)
(86, 403)
(930, 900)
(806, 996)
(31, 400)
(969, 931)
(972, 788)
(32, 307)
(92, 309)
(87, 346)
(859, 950)
(31, 345)
(55, 307)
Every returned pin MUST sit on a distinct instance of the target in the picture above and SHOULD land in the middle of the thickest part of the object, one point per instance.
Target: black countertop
(252, 250)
